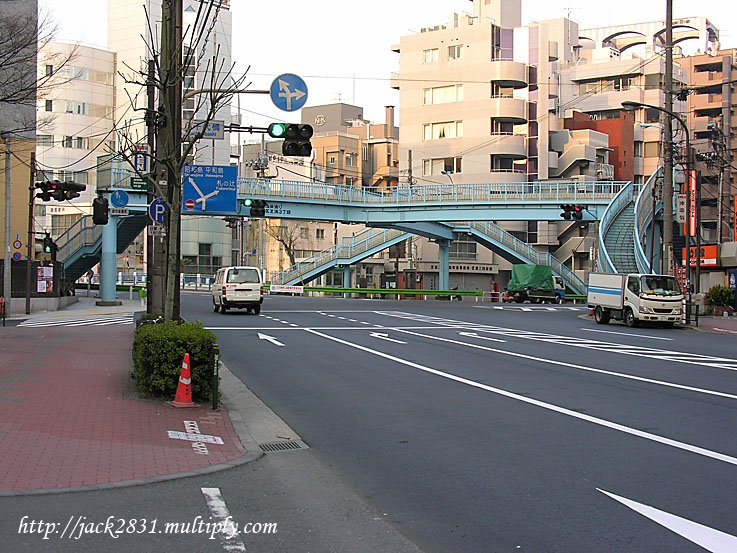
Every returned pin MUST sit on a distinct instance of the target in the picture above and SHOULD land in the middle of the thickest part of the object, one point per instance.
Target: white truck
(635, 298)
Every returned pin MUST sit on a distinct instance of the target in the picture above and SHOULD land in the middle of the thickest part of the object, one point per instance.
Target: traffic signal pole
(31, 241)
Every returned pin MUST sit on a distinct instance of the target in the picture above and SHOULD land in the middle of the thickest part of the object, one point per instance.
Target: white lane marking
(475, 335)
(228, 535)
(575, 366)
(598, 345)
(280, 328)
(270, 339)
(725, 330)
(385, 337)
(549, 406)
(626, 334)
(710, 539)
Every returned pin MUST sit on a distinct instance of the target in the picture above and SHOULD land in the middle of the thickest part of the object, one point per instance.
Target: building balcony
(706, 78)
(394, 81)
(509, 145)
(509, 73)
(506, 175)
(706, 101)
(508, 110)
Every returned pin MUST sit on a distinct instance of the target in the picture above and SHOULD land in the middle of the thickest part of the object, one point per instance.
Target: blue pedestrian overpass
(438, 211)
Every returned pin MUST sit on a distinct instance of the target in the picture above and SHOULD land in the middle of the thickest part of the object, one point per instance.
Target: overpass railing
(531, 192)
(622, 199)
(644, 211)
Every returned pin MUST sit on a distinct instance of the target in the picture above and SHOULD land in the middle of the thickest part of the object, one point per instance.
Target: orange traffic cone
(184, 388)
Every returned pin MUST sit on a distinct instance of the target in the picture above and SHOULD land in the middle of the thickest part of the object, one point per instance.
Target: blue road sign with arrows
(288, 92)
(209, 189)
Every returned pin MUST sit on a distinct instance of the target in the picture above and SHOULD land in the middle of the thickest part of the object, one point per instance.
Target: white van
(238, 287)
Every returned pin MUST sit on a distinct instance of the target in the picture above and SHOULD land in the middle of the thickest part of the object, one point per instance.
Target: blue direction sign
(209, 189)
(119, 198)
(157, 210)
(288, 92)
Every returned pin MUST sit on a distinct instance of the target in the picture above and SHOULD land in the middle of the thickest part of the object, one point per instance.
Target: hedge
(158, 351)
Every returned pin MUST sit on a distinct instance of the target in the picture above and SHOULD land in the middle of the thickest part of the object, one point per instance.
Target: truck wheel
(601, 316)
(215, 306)
(629, 318)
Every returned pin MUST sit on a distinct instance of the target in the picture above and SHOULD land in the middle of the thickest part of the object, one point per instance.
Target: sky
(343, 53)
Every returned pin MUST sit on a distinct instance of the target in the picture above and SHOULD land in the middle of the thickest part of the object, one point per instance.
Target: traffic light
(56, 190)
(572, 211)
(43, 195)
(99, 211)
(49, 245)
(258, 208)
(296, 138)
(72, 189)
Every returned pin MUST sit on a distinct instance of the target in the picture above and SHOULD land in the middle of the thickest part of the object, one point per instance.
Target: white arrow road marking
(708, 538)
(270, 339)
(542, 404)
(381, 336)
(228, 534)
(475, 335)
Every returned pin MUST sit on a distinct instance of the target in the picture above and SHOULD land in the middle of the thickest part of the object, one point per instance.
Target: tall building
(206, 241)
(712, 118)
(75, 125)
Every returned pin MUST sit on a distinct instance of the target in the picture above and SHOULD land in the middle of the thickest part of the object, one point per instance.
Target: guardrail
(644, 210)
(551, 192)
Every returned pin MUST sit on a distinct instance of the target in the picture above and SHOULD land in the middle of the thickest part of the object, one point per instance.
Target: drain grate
(274, 447)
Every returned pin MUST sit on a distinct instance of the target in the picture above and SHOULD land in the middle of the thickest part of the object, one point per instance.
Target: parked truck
(635, 298)
(536, 284)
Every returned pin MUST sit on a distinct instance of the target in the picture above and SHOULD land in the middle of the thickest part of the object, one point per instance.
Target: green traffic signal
(247, 202)
(277, 130)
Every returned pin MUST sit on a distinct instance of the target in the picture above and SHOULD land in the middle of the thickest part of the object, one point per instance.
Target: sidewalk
(71, 418)
(718, 325)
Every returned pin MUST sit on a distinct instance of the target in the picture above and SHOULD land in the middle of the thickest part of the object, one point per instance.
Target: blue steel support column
(444, 265)
(108, 295)
(347, 280)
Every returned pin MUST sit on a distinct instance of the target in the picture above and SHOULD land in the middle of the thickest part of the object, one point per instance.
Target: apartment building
(75, 125)
(712, 118)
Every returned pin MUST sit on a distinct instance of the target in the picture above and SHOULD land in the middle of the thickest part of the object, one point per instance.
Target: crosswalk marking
(99, 320)
(533, 308)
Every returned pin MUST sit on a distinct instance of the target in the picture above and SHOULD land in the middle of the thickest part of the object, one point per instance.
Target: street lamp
(447, 174)
(668, 184)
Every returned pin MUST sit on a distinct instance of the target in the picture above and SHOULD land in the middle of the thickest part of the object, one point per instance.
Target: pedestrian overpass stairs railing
(80, 246)
(525, 252)
(364, 244)
(610, 220)
(644, 210)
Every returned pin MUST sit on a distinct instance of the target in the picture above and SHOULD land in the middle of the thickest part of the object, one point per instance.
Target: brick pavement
(70, 417)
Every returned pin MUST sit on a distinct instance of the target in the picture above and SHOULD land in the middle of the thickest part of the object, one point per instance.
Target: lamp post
(668, 178)
(447, 174)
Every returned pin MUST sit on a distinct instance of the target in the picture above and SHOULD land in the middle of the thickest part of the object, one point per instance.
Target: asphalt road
(479, 429)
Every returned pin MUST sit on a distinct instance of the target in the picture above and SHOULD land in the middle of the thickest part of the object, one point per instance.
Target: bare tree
(23, 35)
(175, 59)
(287, 234)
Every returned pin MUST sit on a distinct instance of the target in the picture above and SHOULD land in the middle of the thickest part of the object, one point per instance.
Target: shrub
(718, 295)
(158, 351)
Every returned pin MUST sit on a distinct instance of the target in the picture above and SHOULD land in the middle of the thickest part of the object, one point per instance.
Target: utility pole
(169, 147)
(667, 254)
(154, 248)
(7, 274)
(31, 236)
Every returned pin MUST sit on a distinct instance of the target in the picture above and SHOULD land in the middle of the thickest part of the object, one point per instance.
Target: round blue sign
(288, 92)
(119, 198)
(157, 210)
(16, 256)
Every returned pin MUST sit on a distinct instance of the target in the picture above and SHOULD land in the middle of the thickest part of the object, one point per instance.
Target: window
(67, 142)
(44, 140)
(49, 105)
(639, 146)
(443, 94)
(49, 70)
(243, 276)
(455, 52)
(652, 149)
(332, 160)
(320, 234)
(653, 81)
(449, 129)
(633, 285)
(303, 232)
(652, 115)
(463, 249)
(436, 166)
(430, 55)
